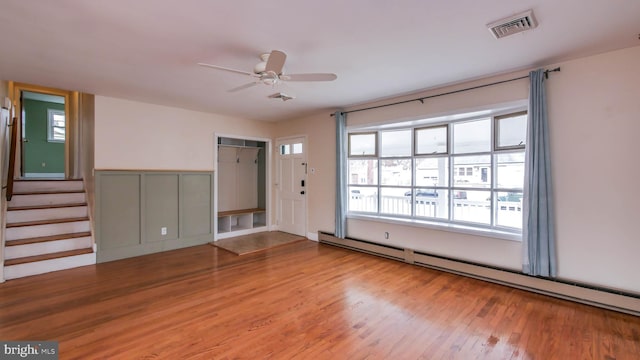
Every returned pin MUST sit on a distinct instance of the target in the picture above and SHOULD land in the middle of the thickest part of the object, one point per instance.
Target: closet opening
(242, 201)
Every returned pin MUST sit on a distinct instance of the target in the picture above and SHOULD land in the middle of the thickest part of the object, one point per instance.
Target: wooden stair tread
(51, 256)
(46, 222)
(41, 239)
(49, 192)
(40, 207)
(240, 212)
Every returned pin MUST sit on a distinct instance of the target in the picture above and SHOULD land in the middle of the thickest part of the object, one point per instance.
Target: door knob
(302, 192)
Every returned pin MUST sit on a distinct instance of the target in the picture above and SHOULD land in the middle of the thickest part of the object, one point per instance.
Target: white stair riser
(25, 232)
(47, 247)
(45, 266)
(36, 186)
(14, 216)
(46, 199)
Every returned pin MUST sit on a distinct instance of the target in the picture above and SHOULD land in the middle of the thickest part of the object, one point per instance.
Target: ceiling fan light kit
(282, 96)
(269, 72)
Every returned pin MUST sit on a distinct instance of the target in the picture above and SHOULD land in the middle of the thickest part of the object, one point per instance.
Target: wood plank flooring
(304, 300)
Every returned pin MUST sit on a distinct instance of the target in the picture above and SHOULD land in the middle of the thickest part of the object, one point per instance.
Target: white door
(291, 181)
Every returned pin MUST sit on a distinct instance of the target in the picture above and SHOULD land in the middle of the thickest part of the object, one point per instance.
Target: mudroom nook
(242, 191)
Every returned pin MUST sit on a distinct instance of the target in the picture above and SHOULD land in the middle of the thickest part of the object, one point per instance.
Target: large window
(468, 172)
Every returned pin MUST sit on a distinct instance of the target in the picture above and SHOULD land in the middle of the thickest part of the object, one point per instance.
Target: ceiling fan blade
(227, 69)
(276, 61)
(242, 87)
(309, 77)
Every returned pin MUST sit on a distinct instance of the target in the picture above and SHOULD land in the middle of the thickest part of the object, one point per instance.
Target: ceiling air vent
(513, 24)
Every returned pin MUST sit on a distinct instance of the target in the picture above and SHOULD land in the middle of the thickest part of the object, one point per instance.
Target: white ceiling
(147, 50)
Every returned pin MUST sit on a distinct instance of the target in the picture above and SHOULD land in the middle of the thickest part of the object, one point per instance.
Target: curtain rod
(422, 99)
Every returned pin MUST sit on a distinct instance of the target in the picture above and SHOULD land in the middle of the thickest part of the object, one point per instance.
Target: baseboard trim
(599, 297)
(43, 175)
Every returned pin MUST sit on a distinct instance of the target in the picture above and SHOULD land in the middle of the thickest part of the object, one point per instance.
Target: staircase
(47, 228)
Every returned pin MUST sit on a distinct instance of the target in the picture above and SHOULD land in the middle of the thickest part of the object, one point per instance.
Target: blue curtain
(341, 155)
(539, 245)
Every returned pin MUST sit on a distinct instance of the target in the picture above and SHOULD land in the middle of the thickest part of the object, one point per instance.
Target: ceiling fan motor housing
(262, 66)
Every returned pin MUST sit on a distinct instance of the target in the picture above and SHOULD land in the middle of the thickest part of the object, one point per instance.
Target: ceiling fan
(269, 72)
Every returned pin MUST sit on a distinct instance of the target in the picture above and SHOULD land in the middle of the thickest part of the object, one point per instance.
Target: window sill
(467, 230)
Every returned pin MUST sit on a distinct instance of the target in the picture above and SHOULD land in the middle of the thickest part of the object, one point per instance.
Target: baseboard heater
(582, 293)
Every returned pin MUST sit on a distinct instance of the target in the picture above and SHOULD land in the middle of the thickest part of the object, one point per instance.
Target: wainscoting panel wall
(142, 212)
(119, 210)
(197, 210)
(161, 212)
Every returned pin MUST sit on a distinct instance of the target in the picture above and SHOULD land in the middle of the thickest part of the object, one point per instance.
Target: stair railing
(12, 157)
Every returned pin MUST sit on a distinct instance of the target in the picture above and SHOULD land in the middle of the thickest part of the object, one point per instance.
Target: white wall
(132, 135)
(594, 111)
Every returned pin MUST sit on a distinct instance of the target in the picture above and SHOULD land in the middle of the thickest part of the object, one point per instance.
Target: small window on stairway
(56, 125)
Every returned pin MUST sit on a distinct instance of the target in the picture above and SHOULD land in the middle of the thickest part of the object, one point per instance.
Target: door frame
(268, 180)
(71, 116)
(305, 148)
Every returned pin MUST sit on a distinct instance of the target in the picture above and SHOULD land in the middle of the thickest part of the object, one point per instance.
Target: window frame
(496, 135)
(492, 228)
(50, 125)
(415, 140)
(376, 144)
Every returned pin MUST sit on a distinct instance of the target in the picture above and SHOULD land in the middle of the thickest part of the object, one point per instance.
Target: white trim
(44, 175)
(452, 227)
(313, 236)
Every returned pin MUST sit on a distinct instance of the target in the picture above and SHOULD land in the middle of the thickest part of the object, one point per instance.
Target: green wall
(134, 207)
(38, 150)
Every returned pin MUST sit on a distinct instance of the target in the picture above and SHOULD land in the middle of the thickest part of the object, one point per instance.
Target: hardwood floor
(304, 300)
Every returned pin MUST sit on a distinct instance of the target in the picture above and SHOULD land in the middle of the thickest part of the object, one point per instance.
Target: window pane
(362, 144)
(509, 209)
(510, 170)
(511, 130)
(297, 148)
(472, 136)
(480, 174)
(475, 207)
(363, 199)
(285, 149)
(432, 171)
(363, 171)
(431, 140)
(58, 122)
(58, 134)
(396, 143)
(396, 172)
(433, 203)
(393, 201)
